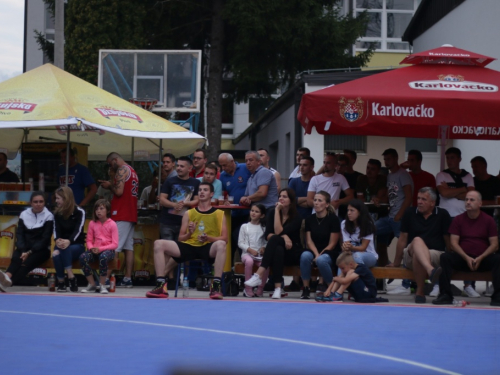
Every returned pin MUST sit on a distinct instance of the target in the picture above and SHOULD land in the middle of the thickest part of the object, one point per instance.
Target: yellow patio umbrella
(47, 101)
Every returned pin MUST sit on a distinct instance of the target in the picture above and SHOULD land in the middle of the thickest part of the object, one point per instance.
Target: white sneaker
(89, 289)
(435, 291)
(276, 294)
(400, 290)
(469, 291)
(489, 291)
(104, 290)
(254, 281)
(5, 281)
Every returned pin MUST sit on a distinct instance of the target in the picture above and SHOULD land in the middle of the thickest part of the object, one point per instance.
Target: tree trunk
(216, 63)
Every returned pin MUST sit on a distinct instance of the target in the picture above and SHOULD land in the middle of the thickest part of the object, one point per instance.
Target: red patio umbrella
(449, 89)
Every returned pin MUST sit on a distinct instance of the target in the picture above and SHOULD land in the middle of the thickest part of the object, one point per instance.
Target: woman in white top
(357, 234)
(252, 243)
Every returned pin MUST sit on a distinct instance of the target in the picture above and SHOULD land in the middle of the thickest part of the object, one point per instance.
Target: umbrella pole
(442, 137)
(159, 169)
(132, 156)
(67, 155)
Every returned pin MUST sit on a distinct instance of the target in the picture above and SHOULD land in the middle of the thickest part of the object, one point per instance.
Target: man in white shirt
(331, 182)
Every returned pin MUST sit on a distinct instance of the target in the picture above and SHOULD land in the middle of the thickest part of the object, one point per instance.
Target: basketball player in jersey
(203, 235)
(124, 187)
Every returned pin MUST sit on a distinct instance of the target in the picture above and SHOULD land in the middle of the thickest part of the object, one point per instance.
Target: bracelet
(30, 252)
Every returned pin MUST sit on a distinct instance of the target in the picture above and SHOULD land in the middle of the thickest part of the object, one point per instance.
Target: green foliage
(100, 24)
(47, 46)
(271, 41)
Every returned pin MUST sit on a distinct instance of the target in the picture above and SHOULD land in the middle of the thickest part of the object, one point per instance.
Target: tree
(261, 44)
(100, 24)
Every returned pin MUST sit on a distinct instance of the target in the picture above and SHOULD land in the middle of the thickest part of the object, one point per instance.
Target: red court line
(261, 300)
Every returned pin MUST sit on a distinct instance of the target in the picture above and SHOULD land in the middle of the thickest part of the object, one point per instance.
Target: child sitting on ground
(356, 278)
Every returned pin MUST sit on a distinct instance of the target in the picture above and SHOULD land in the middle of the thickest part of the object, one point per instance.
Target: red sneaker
(160, 291)
(215, 291)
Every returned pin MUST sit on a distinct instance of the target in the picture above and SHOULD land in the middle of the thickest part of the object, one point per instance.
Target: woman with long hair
(34, 231)
(283, 236)
(322, 240)
(358, 234)
(68, 236)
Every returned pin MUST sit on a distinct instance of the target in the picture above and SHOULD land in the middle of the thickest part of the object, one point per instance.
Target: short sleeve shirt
(454, 206)
(177, 190)
(421, 180)
(300, 188)
(321, 230)
(356, 240)
(395, 183)
(474, 233)
(263, 176)
(431, 230)
(332, 185)
(79, 178)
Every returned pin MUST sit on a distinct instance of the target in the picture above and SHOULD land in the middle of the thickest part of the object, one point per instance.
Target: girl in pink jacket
(102, 240)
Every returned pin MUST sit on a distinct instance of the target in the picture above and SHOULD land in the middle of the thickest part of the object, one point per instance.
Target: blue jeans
(324, 263)
(385, 227)
(63, 261)
(363, 257)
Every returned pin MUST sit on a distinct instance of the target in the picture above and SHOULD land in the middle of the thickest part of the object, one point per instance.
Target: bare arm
(278, 180)
(119, 183)
(349, 196)
(310, 244)
(406, 203)
(90, 195)
(448, 192)
(186, 230)
(260, 194)
(310, 198)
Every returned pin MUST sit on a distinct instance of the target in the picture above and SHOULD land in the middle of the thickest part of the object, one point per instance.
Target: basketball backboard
(170, 76)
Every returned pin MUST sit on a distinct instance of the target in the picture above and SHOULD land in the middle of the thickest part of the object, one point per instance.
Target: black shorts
(359, 291)
(190, 252)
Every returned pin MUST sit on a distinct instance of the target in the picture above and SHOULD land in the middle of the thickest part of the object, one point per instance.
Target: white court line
(332, 347)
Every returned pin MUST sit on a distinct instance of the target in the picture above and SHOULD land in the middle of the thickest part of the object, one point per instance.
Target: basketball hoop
(145, 103)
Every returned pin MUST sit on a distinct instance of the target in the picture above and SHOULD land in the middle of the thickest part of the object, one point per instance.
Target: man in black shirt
(6, 175)
(424, 236)
(485, 183)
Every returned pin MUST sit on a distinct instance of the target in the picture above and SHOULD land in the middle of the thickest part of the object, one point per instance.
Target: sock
(127, 279)
(160, 280)
(217, 280)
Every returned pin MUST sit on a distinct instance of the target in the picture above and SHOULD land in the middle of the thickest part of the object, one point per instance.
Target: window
(421, 144)
(337, 143)
(388, 20)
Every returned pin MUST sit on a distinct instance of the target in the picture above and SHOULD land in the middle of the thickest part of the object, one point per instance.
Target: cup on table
(222, 200)
(214, 202)
(140, 203)
(230, 199)
(361, 197)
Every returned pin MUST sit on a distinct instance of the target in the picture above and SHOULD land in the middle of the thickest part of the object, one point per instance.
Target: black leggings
(20, 269)
(277, 256)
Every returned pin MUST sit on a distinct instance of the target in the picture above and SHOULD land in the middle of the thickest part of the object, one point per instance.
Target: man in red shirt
(199, 162)
(474, 241)
(124, 187)
(420, 177)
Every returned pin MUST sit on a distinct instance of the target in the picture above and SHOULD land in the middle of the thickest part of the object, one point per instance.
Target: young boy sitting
(356, 278)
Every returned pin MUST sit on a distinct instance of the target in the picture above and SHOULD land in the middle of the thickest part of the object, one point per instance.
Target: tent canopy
(46, 101)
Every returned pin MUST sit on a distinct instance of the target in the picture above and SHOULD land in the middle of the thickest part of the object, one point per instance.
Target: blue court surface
(71, 334)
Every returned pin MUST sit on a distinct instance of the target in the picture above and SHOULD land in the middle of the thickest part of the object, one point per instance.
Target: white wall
(472, 26)
(35, 21)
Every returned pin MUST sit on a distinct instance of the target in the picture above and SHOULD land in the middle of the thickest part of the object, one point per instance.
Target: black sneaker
(443, 299)
(305, 293)
(293, 287)
(73, 285)
(159, 291)
(61, 287)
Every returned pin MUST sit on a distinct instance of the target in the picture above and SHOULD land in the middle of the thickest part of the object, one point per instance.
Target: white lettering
(400, 111)
(453, 86)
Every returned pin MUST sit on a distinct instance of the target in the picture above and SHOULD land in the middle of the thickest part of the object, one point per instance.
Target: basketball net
(145, 103)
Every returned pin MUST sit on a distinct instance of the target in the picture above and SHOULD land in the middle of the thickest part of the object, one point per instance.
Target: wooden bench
(381, 273)
(114, 264)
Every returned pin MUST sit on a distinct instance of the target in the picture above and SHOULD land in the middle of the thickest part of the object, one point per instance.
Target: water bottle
(368, 196)
(52, 283)
(112, 283)
(201, 227)
(460, 303)
(185, 288)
